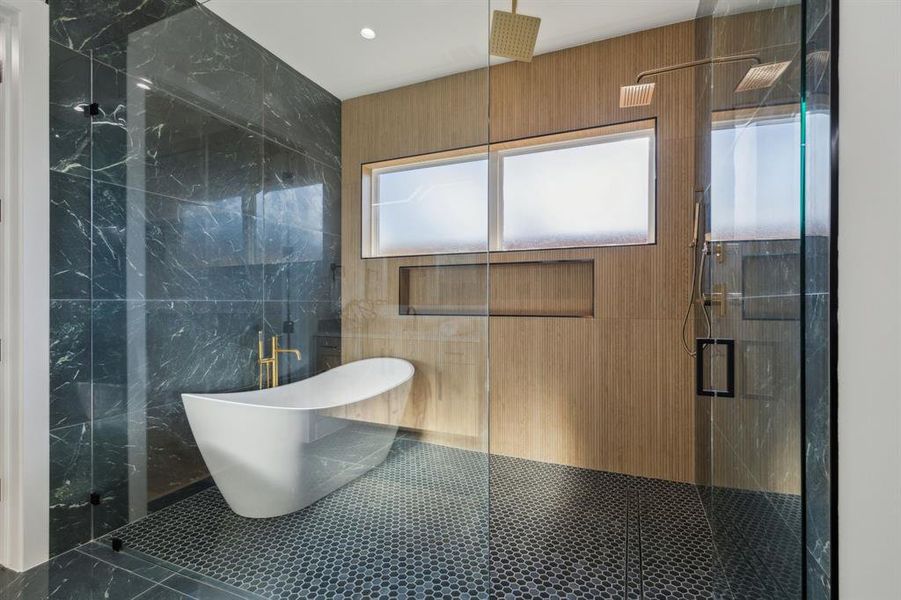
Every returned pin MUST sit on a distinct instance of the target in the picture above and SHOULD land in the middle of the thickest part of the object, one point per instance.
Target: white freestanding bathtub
(274, 451)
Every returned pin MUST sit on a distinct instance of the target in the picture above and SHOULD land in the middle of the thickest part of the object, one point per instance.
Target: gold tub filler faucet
(269, 366)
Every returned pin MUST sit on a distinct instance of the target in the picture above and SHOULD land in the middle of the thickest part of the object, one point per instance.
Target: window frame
(495, 153)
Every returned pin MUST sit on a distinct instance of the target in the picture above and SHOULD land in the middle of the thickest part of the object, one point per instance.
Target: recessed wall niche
(518, 289)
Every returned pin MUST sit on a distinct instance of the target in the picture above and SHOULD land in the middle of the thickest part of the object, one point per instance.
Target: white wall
(24, 505)
(869, 299)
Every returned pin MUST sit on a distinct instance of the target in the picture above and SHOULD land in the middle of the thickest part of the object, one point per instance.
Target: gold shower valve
(719, 252)
(717, 299)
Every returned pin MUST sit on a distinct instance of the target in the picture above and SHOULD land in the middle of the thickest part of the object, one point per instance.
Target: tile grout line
(158, 586)
(120, 568)
(182, 572)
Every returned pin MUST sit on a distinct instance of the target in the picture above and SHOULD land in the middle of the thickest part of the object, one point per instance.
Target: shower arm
(697, 63)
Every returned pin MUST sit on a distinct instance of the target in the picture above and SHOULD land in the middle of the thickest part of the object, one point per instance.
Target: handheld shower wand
(694, 235)
(697, 272)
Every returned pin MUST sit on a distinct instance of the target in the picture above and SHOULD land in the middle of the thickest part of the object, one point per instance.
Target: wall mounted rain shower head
(514, 36)
(818, 59)
(762, 76)
(640, 94)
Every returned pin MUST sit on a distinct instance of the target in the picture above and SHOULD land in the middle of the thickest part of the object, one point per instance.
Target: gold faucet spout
(269, 372)
(293, 351)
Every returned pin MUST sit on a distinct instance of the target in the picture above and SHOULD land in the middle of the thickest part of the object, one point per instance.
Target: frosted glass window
(431, 209)
(594, 192)
(756, 180)
(597, 190)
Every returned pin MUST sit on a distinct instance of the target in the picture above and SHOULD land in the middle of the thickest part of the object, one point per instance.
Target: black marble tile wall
(200, 59)
(312, 126)
(113, 459)
(70, 357)
(70, 237)
(70, 291)
(70, 486)
(198, 205)
(173, 460)
(70, 94)
(103, 27)
(819, 452)
(114, 142)
(199, 347)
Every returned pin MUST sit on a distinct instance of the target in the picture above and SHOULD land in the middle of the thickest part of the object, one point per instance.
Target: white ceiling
(419, 40)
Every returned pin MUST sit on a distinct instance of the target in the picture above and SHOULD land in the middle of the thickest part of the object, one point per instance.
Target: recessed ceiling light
(367, 33)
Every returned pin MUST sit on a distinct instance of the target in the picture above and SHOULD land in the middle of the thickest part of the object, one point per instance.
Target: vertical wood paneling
(613, 392)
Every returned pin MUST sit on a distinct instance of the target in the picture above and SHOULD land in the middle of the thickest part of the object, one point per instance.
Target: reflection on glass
(215, 231)
(756, 179)
(300, 206)
(292, 224)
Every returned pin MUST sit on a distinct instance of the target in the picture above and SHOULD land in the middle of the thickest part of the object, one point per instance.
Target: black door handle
(700, 345)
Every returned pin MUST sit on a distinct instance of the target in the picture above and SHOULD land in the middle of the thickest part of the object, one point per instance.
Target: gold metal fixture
(641, 94)
(719, 252)
(762, 76)
(513, 35)
(717, 299)
(269, 365)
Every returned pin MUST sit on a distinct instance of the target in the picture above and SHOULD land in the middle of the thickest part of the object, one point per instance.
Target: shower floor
(417, 526)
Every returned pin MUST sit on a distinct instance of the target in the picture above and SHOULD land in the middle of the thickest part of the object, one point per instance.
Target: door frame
(24, 283)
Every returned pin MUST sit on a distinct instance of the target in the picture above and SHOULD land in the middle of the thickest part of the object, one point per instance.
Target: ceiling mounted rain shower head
(762, 76)
(514, 36)
(640, 94)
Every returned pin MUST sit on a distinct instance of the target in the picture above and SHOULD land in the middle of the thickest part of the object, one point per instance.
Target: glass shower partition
(233, 197)
(750, 360)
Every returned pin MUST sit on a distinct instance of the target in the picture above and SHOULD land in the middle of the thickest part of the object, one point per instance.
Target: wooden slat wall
(445, 290)
(613, 392)
(542, 289)
(450, 391)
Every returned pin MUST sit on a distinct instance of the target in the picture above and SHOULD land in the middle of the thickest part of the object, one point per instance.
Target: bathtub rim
(223, 397)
